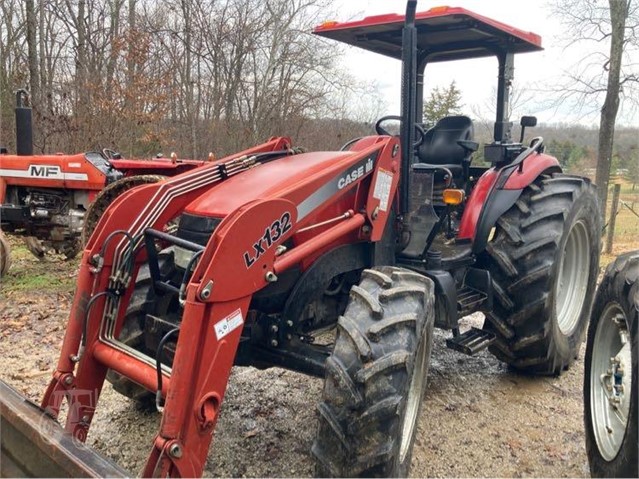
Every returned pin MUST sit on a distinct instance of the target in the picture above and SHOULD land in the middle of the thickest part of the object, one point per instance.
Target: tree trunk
(44, 94)
(188, 74)
(32, 51)
(130, 59)
(34, 75)
(81, 59)
(114, 33)
(618, 16)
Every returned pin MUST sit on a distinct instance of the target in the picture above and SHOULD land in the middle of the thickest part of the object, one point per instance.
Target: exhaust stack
(24, 124)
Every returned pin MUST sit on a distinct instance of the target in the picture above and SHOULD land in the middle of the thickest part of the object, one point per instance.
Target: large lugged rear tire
(5, 255)
(544, 260)
(375, 377)
(610, 379)
(108, 196)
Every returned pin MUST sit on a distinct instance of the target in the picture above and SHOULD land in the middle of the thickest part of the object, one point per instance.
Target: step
(469, 300)
(471, 342)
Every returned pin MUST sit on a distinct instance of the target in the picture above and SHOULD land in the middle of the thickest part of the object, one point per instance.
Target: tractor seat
(440, 145)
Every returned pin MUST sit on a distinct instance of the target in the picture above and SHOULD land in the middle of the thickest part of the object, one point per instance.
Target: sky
(535, 73)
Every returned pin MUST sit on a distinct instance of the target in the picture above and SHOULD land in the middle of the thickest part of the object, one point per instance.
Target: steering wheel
(110, 154)
(382, 131)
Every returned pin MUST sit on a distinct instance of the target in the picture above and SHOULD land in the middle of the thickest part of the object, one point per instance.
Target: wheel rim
(414, 398)
(572, 281)
(610, 381)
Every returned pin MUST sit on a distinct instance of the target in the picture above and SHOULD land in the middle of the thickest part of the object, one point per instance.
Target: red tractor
(51, 199)
(338, 265)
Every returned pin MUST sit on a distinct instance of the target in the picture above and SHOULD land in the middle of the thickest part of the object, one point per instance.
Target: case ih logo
(356, 173)
(44, 171)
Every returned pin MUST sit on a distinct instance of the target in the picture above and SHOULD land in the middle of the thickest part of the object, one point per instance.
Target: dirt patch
(478, 419)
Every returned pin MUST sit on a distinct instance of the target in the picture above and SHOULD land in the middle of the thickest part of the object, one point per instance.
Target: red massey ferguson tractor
(55, 201)
(379, 242)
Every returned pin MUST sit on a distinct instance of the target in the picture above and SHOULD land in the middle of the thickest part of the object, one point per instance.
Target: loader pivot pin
(175, 450)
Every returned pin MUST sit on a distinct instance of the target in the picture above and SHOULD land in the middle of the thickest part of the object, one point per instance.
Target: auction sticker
(382, 189)
(229, 324)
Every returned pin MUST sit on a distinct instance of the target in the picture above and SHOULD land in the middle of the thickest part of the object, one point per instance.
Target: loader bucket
(34, 445)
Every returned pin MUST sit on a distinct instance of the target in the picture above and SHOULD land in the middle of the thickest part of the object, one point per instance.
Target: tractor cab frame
(441, 34)
(440, 158)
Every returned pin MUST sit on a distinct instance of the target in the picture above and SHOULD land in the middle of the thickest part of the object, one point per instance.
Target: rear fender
(496, 192)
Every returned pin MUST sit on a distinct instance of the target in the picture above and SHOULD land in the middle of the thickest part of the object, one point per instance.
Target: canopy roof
(443, 34)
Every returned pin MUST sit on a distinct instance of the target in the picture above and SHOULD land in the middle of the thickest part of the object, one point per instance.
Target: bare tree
(187, 75)
(603, 77)
(32, 49)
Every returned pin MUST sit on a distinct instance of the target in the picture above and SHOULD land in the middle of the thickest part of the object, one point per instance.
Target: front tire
(143, 301)
(544, 260)
(610, 379)
(376, 376)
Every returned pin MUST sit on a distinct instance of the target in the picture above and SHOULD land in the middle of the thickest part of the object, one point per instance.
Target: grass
(626, 236)
(52, 274)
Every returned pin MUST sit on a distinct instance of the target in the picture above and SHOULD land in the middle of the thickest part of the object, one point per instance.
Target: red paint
(327, 238)
(397, 21)
(532, 167)
(129, 367)
(96, 180)
(262, 222)
(475, 204)
(203, 361)
(156, 166)
(249, 203)
(267, 181)
(3, 189)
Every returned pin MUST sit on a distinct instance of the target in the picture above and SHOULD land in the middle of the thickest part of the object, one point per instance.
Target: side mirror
(526, 121)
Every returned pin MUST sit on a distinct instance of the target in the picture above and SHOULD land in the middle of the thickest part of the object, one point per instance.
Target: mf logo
(44, 171)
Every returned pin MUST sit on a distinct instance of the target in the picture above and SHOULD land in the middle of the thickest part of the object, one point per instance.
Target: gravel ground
(478, 418)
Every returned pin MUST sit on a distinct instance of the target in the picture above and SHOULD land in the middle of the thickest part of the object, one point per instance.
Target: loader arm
(241, 257)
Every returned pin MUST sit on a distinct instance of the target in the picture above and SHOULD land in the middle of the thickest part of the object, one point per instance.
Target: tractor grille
(197, 229)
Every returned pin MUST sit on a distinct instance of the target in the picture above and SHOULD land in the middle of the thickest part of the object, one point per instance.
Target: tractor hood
(292, 177)
(443, 34)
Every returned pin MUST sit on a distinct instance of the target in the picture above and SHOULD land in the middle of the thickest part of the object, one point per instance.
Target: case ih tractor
(55, 201)
(378, 243)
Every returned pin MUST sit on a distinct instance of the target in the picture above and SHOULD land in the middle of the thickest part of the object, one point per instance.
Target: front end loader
(338, 265)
